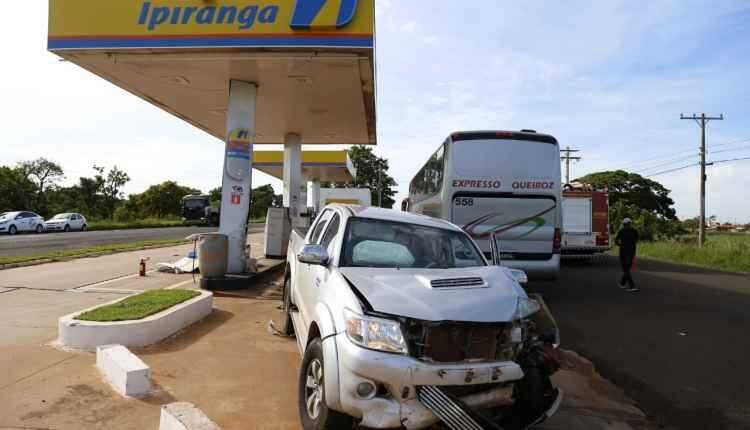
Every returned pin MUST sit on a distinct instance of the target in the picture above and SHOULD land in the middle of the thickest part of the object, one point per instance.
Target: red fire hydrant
(142, 267)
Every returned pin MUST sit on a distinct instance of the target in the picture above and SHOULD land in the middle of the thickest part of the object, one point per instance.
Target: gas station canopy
(312, 60)
(321, 166)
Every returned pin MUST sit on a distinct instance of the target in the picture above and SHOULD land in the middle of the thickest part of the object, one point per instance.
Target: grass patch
(106, 224)
(730, 252)
(139, 306)
(92, 250)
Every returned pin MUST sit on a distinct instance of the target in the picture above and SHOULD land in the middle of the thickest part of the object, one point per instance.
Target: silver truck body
(483, 300)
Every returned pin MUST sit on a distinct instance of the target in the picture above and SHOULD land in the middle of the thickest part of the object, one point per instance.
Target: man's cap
(627, 221)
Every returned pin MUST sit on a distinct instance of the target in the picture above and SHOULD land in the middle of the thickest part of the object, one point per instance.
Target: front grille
(457, 282)
(453, 342)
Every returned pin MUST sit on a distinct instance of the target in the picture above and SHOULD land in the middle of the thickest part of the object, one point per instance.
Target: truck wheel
(287, 328)
(313, 410)
(67, 228)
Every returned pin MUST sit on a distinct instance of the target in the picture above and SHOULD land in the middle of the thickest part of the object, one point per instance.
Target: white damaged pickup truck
(402, 323)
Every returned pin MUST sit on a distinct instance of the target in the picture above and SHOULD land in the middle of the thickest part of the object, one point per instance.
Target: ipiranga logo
(244, 17)
(308, 14)
(323, 14)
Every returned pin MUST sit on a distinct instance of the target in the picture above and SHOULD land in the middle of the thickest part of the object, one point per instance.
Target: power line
(671, 170)
(567, 159)
(657, 158)
(675, 160)
(703, 121)
(730, 160)
(739, 148)
(732, 143)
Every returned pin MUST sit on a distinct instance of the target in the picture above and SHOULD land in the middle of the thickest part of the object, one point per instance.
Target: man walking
(626, 239)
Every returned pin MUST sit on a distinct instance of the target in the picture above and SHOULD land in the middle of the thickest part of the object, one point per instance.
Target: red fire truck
(585, 221)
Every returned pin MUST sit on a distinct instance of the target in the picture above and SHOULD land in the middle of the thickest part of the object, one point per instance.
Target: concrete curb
(87, 335)
(184, 416)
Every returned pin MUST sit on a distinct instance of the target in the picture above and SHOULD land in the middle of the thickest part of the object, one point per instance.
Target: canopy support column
(237, 179)
(293, 177)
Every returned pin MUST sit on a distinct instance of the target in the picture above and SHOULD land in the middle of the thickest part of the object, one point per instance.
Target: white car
(66, 222)
(402, 323)
(15, 222)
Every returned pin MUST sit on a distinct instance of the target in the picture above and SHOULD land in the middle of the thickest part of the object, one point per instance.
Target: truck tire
(313, 411)
(287, 328)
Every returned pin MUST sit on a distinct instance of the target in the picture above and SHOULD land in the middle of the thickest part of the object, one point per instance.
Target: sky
(607, 78)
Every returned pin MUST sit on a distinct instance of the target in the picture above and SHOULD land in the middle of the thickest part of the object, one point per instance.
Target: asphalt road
(33, 244)
(680, 346)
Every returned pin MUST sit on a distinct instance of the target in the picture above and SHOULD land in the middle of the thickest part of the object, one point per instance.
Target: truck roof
(395, 216)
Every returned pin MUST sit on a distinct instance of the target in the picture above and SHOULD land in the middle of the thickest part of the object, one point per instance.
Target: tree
(372, 173)
(262, 199)
(44, 174)
(16, 190)
(163, 200)
(214, 196)
(691, 224)
(645, 201)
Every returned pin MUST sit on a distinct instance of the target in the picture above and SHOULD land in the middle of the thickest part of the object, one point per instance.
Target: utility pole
(567, 159)
(702, 122)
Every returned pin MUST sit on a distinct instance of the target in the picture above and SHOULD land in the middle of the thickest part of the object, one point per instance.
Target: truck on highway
(501, 182)
(403, 323)
(585, 221)
(197, 208)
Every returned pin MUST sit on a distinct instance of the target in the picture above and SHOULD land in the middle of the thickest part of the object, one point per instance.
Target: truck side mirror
(313, 254)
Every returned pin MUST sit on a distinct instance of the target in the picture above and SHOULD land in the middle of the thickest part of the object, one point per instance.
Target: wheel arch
(323, 327)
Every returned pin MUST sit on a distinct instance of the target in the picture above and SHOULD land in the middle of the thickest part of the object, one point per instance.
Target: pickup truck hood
(409, 293)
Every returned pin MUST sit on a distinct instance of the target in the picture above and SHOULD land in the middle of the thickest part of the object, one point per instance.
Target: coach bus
(501, 182)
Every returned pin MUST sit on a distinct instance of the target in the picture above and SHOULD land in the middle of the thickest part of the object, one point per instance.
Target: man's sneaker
(633, 289)
(621, 285)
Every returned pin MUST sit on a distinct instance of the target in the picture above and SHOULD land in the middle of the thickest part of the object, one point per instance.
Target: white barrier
(128, 374)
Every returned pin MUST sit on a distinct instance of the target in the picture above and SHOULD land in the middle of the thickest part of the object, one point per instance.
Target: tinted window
(429, 180)
(377, 243)
(318, 229)
(333, 228)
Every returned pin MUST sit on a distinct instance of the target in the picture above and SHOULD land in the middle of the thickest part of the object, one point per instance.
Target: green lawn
(730, 252)
(143, 223)
(92, 250)
(139, 306)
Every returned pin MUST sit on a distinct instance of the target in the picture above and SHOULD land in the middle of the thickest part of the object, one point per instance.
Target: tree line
(36, 185)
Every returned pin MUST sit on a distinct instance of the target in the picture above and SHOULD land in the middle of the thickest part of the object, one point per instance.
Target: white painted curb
(87, 335)
(184, 416)
(128, 374)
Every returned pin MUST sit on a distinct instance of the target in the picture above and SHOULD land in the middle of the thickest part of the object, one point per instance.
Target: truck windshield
(194, 203)
(379, 243)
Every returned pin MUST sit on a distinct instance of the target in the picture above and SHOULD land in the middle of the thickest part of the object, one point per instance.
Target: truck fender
(330, 355)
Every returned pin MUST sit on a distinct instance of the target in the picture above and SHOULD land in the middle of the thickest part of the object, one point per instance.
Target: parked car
(66, 222)
(14, 222)
(402, 322)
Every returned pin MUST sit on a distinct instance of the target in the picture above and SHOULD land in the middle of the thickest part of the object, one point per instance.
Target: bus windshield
(379, 243)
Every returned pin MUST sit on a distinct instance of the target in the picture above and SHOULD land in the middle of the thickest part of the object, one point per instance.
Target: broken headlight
(374, 333)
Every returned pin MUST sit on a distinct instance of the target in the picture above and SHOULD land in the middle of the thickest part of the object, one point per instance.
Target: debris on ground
(188, 264)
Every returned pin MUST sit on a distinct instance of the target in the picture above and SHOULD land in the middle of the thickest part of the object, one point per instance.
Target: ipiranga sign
(153, 24)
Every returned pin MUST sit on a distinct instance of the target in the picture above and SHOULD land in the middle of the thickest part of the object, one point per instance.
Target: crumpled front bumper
(398, 405)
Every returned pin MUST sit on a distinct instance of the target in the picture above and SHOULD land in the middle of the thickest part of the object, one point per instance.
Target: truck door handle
(317, 282)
